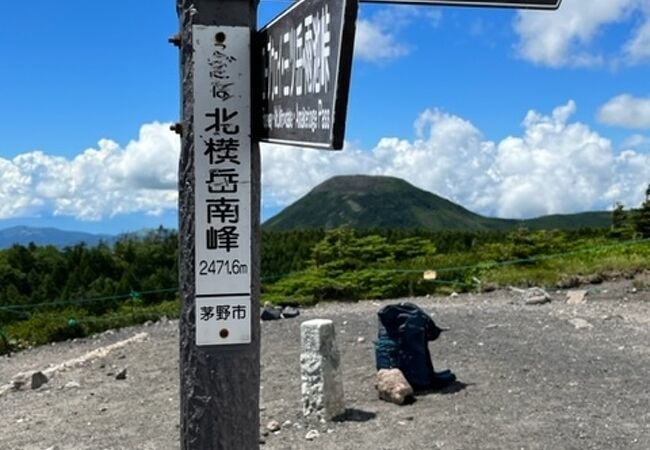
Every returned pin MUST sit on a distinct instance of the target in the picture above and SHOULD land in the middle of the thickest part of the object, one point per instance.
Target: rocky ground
(544, 376)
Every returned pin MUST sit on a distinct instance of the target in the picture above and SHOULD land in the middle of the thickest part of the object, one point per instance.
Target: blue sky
(511, 114)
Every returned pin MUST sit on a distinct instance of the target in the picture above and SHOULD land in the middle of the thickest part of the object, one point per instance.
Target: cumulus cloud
(374, 43)
(555, 166)
(565, 37)
(626, 111)
(377, 37)
(100, 182)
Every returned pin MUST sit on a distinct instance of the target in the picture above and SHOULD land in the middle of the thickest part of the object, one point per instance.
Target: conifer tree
(642, 216)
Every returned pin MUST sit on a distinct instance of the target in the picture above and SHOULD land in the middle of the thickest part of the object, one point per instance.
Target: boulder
(289, 312)
(393, 387)
(576, 297)
(535, 296)
(270, 312)
(33, 379)
(273, 425)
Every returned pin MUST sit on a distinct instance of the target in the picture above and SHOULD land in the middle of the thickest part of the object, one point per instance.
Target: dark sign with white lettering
(306, 60)
(523, 4)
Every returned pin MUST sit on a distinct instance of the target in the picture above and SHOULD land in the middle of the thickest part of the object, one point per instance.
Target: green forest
(48, 294)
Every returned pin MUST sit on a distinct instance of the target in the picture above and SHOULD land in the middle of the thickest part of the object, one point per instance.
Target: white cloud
(637, 142)
(374, 43)
(14, 190)
(565, 37)
(626, 111)
(555, 166)
(97, 183)
(377, 37)
(637, 48)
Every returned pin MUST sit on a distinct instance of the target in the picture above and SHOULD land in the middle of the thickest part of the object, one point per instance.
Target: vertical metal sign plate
(222, 162)
(306, 55)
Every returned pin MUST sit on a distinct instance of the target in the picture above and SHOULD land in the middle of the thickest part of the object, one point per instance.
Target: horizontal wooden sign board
(306, 58)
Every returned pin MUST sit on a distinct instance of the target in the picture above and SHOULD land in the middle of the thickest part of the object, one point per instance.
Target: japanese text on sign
(299, 59)
(223, 320)
(222, 182)
(297, 63)
(306, 58)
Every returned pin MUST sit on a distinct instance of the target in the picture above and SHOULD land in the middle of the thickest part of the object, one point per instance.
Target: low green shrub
(43, 327)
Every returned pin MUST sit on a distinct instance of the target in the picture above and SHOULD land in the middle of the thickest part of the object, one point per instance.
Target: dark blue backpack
(402, 342)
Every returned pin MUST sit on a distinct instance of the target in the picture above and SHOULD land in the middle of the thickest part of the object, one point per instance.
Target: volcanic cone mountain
(386, 202)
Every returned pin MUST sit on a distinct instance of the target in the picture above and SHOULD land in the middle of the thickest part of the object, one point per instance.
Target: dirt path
(533, 378)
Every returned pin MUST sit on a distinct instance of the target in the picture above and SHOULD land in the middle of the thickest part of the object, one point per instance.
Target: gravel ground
(531, 377)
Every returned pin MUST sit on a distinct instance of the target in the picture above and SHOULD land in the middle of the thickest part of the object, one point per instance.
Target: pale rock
(312, 434)
(392, 386)
(536, 296)
(580, 324)
(273, 425)
(576, 297)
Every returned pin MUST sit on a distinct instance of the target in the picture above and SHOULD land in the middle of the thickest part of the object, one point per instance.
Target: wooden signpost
(219, 229)
(287, 83)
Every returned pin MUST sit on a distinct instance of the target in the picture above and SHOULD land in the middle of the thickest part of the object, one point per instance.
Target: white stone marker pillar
(320, 370)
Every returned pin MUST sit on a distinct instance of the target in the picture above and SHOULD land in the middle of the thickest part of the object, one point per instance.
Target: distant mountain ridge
(23, 235)
(386, 202)
(361, 201)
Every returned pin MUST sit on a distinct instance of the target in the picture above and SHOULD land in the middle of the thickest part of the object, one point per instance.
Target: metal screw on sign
(175, 40)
